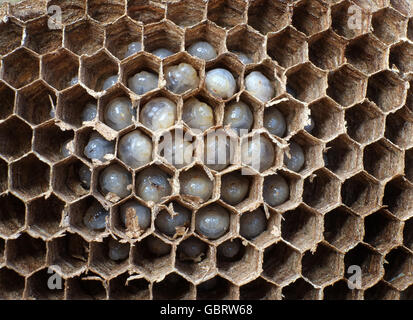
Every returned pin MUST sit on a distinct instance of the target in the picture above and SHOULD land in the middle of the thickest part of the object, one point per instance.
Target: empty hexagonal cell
(282, 263)
(306, 82)
(37, 287)
(398, 269)
(300, 290)
(11, 285)
(365, 123)
(126, 287)
(20, 68)
(7, 98)
(346, 85)
(340, 291)
(85, 288)
(368, 260)
(381, 291)
(45, 222)
(386, 90)
(401, 56)
(105, 11)
(326, 50)
(3, 176)
(321, 190)
(17, 131)
(95, 70)
(36, 103)
(242, 39)
(226, 13)
(10, 36)
(71, 104)
(172, 287)
(12, 214)
(71, 10)
(287, 47)
(145, 11)
(42, 39)
(371, 5)
(24, 12)
(120, 35)
(259, 289)
(216, 288)
(399, 128)
(152, 256)
(342, 228)
(85, 37)
(349, 20)
(186, 13)
(26, 254)
(60, 69)
(30, 176)
(398, 197)
(366, 53)
(163, 35)
(268, 16)
(382, 160)
(69, 254)
(361, 193)
(109, 257)
(301, 227)
(52, 150)
(311, 17)
(388, 25)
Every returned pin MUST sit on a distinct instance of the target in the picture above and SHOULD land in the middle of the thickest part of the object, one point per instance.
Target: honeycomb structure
(350, 204)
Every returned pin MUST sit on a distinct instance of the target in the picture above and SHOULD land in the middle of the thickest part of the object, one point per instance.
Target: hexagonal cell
(398, 197)
(120, 34)
(96, 69)
(71, 103)
(345, 12)
(408, 234)
(86, 287)
(226, 13)
(268, 16)
(172, 287)
(340, 291)
(163, 35)
(83, 136)
(295, 189)
(45, 222)
(71, 10)
(207, 32)
(259, 289)
(60, 69)
(361, 193)
(401, 56)
(366, 53)
(321, 190)
(311, 16)
(42, 39)
(11, 285)
(125, 287)
(371, 5)
(36, 103)
(105, 11)
(7, 98)
(381, 291)
(145, 11)
(382, 160)
(287, 47)
(399, 128)
(232, 180)
(300, 290)
(37, 287)
(51, 150)
(186, 13)
(150, 262)
(326, 50)
(342, 228)
(84, 37)
(324, 266)
(3, 176)
(25, 11)
(368, 260)
(187, 178)
(203, 97)
(410, 29)
(12, 213)
(26, 254)
(365, 123)
(408, 167)
(17, 131)
(403, 6)
(388, 25)
(10, 36)
(306, 82)
(270, 71)
(100, 261)
(398, 269)
(386, 90)
(21, 68)
(215, 289)
(343, 156)
(301, 227)
(30, 176)
(346, 85)
(282, 264)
